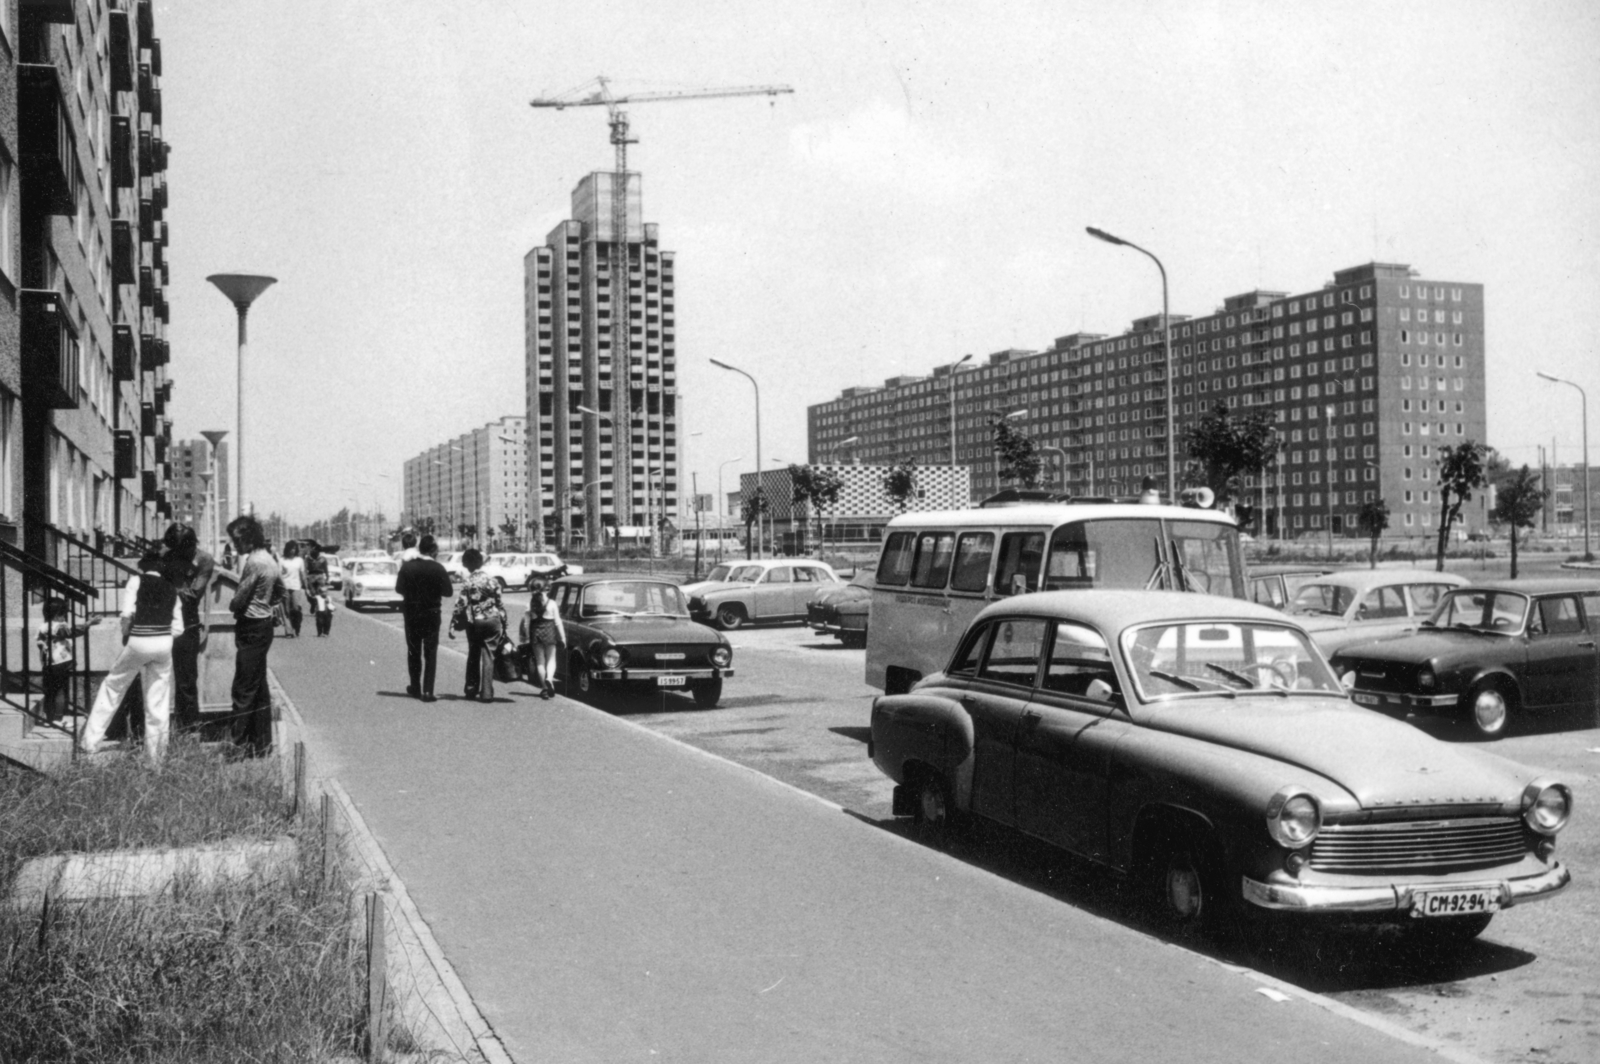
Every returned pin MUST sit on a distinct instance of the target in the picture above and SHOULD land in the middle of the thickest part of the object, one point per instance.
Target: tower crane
(597, 93)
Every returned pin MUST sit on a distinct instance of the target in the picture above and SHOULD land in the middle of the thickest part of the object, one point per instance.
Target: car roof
(1114, 610)
(768, 563)
(1361, 579)
(1547, 585)
(602, 578)
(1054, 514)
(1291, 570)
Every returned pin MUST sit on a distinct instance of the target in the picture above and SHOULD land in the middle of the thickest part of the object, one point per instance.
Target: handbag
(505, 669)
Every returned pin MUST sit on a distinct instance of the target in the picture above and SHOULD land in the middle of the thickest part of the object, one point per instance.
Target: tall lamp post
(214, 439)
(963, 360)
(608, 419)
(757, 387)
(1328, 495)
(1583, 397)
(242, 290)
(1166, 342)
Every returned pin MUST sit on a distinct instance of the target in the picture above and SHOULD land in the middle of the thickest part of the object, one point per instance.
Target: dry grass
(253, 971)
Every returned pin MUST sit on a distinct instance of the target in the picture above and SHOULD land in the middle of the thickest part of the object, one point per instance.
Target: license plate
(1366, 699)
(1456, 902)
(669, 681)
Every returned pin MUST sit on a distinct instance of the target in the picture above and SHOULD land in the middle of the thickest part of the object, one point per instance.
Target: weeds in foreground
(262, 970)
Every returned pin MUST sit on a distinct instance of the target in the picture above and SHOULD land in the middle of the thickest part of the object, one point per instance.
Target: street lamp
(593, 521)
(1329, 494)
(963, 360)
(242, 290)
(1166, 341)
(757, 387)
(1588, 556)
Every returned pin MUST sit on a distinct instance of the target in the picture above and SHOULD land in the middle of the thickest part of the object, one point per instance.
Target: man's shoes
(413, 690)
(429, 697)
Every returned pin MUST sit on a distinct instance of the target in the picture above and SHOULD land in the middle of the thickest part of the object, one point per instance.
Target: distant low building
(863, 509)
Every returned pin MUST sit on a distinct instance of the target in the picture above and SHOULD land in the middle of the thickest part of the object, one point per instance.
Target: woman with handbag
(544, 635)
(480, 613)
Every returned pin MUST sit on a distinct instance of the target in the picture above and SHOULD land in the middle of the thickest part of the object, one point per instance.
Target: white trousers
(150, 658)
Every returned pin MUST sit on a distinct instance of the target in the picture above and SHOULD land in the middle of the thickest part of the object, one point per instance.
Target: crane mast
(620, 258)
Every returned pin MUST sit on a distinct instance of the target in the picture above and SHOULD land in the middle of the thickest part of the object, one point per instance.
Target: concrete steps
(26, 742)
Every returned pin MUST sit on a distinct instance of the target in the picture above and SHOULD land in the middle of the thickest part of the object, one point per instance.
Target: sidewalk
(605, 893)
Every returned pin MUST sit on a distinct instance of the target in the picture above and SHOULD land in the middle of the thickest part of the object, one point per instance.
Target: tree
(900, 482)
(1226, 448)
(751, 511)
(1373, 519)
(813, 490)
(467, 530)
(1016, 456)
(508, 528)
(1462, 470)
(1518, 502)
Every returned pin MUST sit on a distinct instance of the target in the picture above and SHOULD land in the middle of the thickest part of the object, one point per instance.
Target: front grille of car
(1418, 846)
(681, 657)
(1390, 676)
(817, 613)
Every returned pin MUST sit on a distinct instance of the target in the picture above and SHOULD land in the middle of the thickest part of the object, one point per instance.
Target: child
(55, 656)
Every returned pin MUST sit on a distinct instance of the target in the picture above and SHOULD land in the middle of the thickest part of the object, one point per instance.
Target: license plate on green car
(669, 681)
(1456, 902)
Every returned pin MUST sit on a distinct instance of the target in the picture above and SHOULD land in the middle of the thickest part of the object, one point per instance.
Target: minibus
(938, 569)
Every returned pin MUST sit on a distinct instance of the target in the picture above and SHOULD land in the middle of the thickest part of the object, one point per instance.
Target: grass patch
(249, 971)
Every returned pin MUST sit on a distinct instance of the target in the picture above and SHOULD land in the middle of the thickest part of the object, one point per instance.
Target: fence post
(327, 838)
(298, 799)
(377, 981)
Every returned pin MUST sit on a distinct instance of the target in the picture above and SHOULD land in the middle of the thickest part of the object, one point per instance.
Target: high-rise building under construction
(602, 408)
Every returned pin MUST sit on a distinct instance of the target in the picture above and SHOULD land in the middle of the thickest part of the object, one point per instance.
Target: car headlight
(1293, 818)
(1348, 680)
(1426, 679)
(611, 658)
(1546, 806)
(721, 656)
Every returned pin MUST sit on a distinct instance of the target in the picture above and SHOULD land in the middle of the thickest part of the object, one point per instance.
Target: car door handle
(1589, 644)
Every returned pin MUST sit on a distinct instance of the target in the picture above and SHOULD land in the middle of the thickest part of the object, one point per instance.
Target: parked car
(1490, 653)
(1357, 605)
(521, 570)
(1276, 585)
(627, 630)
(370, 582)
(335, 571)
(451, 560)
(842, 610)
(774, 589)
(1202, 746)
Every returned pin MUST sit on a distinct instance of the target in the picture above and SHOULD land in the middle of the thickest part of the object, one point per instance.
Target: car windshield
(1484, 611)
(1225, 657)
(744, 574)
(633, 598)
(718, 574)
(373, 568)
(1319, 597)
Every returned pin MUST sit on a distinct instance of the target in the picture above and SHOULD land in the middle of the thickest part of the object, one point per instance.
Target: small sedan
(1489, 654)
(627, 630)
(1202, 747)
(451, 560)
(523, 570)
(842, 610)
(1362, 604)
(770, 590)
(370, 582)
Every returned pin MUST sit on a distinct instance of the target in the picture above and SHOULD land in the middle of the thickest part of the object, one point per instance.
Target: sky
(922, 194)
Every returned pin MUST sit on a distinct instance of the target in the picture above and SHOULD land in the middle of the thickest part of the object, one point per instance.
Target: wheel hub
(1489, 711)
(1183, 891)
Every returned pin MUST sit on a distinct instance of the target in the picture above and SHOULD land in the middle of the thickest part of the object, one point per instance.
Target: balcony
(124, 355)
(126, 454)
(158, 257)
(145, 20)
(148, 485)
(57, 11)
(124, 253)
(46, 145)
(155, 58)
(147, 287)
(161, 449)
(122, 175)
(49, 350)
(147, 421)
(147, 351)
(121, 52)
(145, 140)
(161, 309)
(155, 112)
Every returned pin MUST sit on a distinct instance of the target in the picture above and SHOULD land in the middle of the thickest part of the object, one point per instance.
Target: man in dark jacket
(423, 584)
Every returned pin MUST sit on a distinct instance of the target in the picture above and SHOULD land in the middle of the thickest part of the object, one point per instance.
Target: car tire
(1488, 709)
(1186, 886)
(729, 617)
(935, 816)
(583, 682)
(708, 693)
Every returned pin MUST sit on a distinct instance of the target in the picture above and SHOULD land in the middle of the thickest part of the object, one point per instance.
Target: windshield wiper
(1230, 674)
(1181, 681)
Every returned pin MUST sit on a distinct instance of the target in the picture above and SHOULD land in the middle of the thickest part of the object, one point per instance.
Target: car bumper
(836, 627)
(372, 595)
(1404, 701)
(1396, 897)
(652, 675)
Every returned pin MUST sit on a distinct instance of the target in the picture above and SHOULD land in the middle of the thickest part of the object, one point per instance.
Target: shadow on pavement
(1325, 959)
(1547, 722)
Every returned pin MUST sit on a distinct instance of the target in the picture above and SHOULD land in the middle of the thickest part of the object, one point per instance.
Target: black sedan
(635, 631)
(1489, 653)
(842, 610)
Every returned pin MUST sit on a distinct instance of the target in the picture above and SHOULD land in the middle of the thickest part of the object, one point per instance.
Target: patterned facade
(1365, 378)
(608, 348)
(864, 506)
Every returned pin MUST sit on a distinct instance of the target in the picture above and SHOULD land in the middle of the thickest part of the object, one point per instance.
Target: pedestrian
(423, 585)
(190, 569)
(317, 587)
(56, 656)
(544, 635)
(480, 613)
(293, 568)
(151, 618)
(260, 590)
(408, 547)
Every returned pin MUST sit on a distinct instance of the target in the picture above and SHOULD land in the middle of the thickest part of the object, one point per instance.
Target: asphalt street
(607, 893)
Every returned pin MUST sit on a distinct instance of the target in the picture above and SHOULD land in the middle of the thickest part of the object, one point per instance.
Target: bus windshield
(1127, 553)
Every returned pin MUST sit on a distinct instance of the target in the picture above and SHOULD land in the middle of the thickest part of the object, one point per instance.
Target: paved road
(607, 894)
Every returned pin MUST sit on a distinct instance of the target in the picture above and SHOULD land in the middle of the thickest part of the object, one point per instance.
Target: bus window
(1113, 553)
(1208, 555)
(932, 564)
(974, 552)
(1020, 555)
(895, 567)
